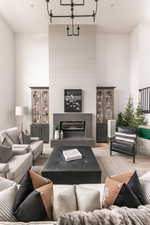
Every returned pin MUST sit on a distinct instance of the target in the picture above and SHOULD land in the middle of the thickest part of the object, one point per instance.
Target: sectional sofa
(20, 162)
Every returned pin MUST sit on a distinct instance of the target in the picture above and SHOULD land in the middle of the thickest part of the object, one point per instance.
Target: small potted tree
(130, 120)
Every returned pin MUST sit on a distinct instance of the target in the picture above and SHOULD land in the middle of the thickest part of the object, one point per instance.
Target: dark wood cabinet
(105, 111)
(40, 113)
(41, 131)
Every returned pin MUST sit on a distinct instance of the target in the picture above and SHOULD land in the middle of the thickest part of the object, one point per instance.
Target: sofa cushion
(5, 154)
(37, 206)
(98, 187)
(7, 198)
(19, 149)
(36, 148)
(64, 200)
(30, 181)
(5, 183)
(4, 168)
(87, 199)
(18, 165)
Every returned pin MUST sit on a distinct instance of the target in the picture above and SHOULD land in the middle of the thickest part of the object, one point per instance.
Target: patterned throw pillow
(33, 189)
(7, 198)
(7, 140)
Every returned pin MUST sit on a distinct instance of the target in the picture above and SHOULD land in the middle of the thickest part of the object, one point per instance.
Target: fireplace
(77, 129)
(72, 128)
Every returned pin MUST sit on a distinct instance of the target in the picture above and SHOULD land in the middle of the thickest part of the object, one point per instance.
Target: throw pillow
(87, 199)
(145, 176)
(29, 183)
(64, 200)
(135, 186)
(37, 206)
(131, 194)
(7, 140)
(26, 138)
(5, 154)
(113, 186)
(7, 198)
(145, 184)
(126, 197)
(146, 190)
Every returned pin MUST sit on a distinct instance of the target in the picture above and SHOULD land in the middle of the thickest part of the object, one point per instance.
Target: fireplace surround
(77, 129)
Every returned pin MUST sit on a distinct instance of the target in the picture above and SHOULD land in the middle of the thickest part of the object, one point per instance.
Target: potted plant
(130, 120)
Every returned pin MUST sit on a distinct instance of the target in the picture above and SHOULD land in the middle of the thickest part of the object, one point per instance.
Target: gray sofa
(21, 161)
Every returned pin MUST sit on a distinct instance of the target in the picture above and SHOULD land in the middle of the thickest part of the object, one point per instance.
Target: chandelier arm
(47, 7)
(96, 10)
(75, 4)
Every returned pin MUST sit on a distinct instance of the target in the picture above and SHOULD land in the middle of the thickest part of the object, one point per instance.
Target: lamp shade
(19, 111)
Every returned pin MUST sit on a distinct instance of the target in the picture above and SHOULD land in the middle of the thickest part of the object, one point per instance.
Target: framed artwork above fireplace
(73, 100)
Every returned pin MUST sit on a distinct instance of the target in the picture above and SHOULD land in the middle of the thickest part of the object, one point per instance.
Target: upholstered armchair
(123, 143)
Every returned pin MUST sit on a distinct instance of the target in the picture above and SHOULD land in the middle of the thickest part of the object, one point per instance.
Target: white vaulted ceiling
(118, 16)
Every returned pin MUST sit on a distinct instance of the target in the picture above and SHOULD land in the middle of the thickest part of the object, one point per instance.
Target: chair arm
(4, 168)
(34, 139)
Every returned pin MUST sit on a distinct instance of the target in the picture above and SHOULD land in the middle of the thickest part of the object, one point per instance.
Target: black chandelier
(73, 29)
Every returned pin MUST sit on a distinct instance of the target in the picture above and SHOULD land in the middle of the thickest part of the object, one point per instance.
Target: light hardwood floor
(142, 163)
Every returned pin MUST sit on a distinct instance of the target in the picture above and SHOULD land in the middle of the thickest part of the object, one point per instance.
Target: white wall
(113, 65)
(73, 65)
(32, 67)
(7, 75)
(139, 62)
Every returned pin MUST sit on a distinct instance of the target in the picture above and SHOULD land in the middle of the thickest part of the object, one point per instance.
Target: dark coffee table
(85, 170)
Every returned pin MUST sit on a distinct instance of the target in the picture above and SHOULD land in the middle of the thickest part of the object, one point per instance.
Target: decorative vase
(56, 134)
(61, 134)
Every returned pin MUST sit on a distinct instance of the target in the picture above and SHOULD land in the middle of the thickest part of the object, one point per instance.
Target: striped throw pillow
(7, 198)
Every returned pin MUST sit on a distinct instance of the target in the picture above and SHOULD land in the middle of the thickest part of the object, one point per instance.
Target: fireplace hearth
(76, 127)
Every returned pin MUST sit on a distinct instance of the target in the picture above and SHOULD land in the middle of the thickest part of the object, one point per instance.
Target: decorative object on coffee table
(40, 113)
(73, 100)
(105, 111)
(85, 170)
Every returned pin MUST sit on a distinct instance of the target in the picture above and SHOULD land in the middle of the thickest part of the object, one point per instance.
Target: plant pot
(127, 130)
